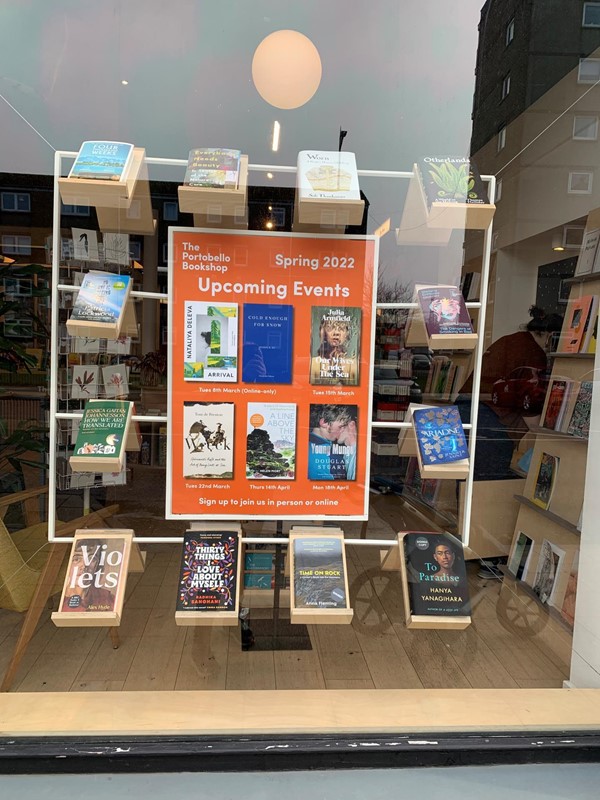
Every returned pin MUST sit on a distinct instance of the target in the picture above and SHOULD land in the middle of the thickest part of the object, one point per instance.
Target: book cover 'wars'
(208, 575)
(335, 345)
(208, 440)
(436, 575)
(210, 342)
(271, 441)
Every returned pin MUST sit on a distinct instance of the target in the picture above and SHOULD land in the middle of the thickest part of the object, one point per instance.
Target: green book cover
(103, 430)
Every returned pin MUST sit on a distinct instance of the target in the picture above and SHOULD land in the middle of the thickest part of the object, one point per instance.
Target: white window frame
(510, 31)
(498, 190)
(585, 24)
(169, 204)
(501, 138)
(506, 86)
(594, 122)
(580, 191)
(135, 250)
(13, 245)
(15, 197)
(583, 61)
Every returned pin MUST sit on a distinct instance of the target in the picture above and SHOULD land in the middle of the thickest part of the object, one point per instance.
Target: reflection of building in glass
(535, 126)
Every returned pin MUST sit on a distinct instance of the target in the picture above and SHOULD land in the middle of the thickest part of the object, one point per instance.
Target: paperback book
(440, 435)
(444, 311)
(324, 174)
(545, 480)
(451, 180)
(105, 432)
(587, 254)
(578, 325)
(267, 355)
(210, 342)
(436, 576)
(208, 440)
(521, 556)
(209, 572)
(548, 570)
(335, 345)
(318, 572)
(99, 308)
(107, 161)
(271, 441)
(213, 167)
(332, 442)
(556, 398)
(579, 424)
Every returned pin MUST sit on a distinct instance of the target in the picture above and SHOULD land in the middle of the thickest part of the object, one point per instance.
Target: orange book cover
(578, 311)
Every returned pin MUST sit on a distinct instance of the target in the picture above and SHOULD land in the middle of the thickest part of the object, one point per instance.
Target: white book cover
(115, 379)
(120, 346)
(588, 253)
(116, 248)
(85, 244)
(208, 440)
(210, 342)
(324, 174)
(85, 382)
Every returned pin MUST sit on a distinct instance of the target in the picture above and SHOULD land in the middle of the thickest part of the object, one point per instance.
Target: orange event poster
(270, 379)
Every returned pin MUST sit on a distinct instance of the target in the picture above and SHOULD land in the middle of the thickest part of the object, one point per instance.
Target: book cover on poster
(436, 575)
(332, 442)
(325, 174)
(210, 342)
(213, 167)
(208, 440)
(440, 435)
(444, 310)
(107, 161)
(545, 480)
(335, 345)
(208, 574)
(319, 579)
(271, 441)
(267, 355)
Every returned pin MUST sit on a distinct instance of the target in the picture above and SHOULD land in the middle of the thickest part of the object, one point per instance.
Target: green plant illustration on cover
(215, 335)
(454, 182)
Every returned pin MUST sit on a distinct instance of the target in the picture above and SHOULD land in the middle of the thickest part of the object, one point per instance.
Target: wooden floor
(512, 642)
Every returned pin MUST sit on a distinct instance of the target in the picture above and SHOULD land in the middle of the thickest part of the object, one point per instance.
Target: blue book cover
(440, 435)
(106, 161)
(101, 297)
(267, 343)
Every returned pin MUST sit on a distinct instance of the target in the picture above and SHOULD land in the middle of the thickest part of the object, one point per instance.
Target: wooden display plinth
(315, 615)
(133, 215)
(328, 211)
(422, 226)
(419, 621)
(217, 203)
(103, 193)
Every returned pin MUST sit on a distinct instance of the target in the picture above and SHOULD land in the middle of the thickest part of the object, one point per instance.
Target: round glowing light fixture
(286, 69)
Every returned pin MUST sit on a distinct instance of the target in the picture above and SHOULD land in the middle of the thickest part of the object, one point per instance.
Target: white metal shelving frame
(56, 415)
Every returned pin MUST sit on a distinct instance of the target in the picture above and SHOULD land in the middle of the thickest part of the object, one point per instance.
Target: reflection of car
(525, 387)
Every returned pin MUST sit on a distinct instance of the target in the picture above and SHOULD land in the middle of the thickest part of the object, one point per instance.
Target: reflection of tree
(391, 290)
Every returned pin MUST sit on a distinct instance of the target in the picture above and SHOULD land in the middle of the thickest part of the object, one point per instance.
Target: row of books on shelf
(446, 377)
(567, 407)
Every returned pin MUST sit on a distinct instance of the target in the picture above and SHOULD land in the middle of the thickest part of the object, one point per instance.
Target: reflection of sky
(397, 76)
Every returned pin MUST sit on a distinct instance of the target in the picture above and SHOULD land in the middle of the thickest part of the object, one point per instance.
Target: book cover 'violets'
(101, 297)
(207, 580)
(267, 343)
(440, 435)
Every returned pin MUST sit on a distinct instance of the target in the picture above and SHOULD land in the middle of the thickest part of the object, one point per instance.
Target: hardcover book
(85, 383)
(520, 556)
(208, 440)
(96, 577)
(444, 311)
(99, 308)
(107, 161)
(210, 342)
(335, 345)
(545, 480)
(451, 180)
(324, 174)
(548, 569)
(580, 317)
(579, 424)
(105, 433)
(319, 576)
(267, 343)
(440, 435)
(271, 441)
(332, 442)
(436, 577)
(213, 167)
(209, 572)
